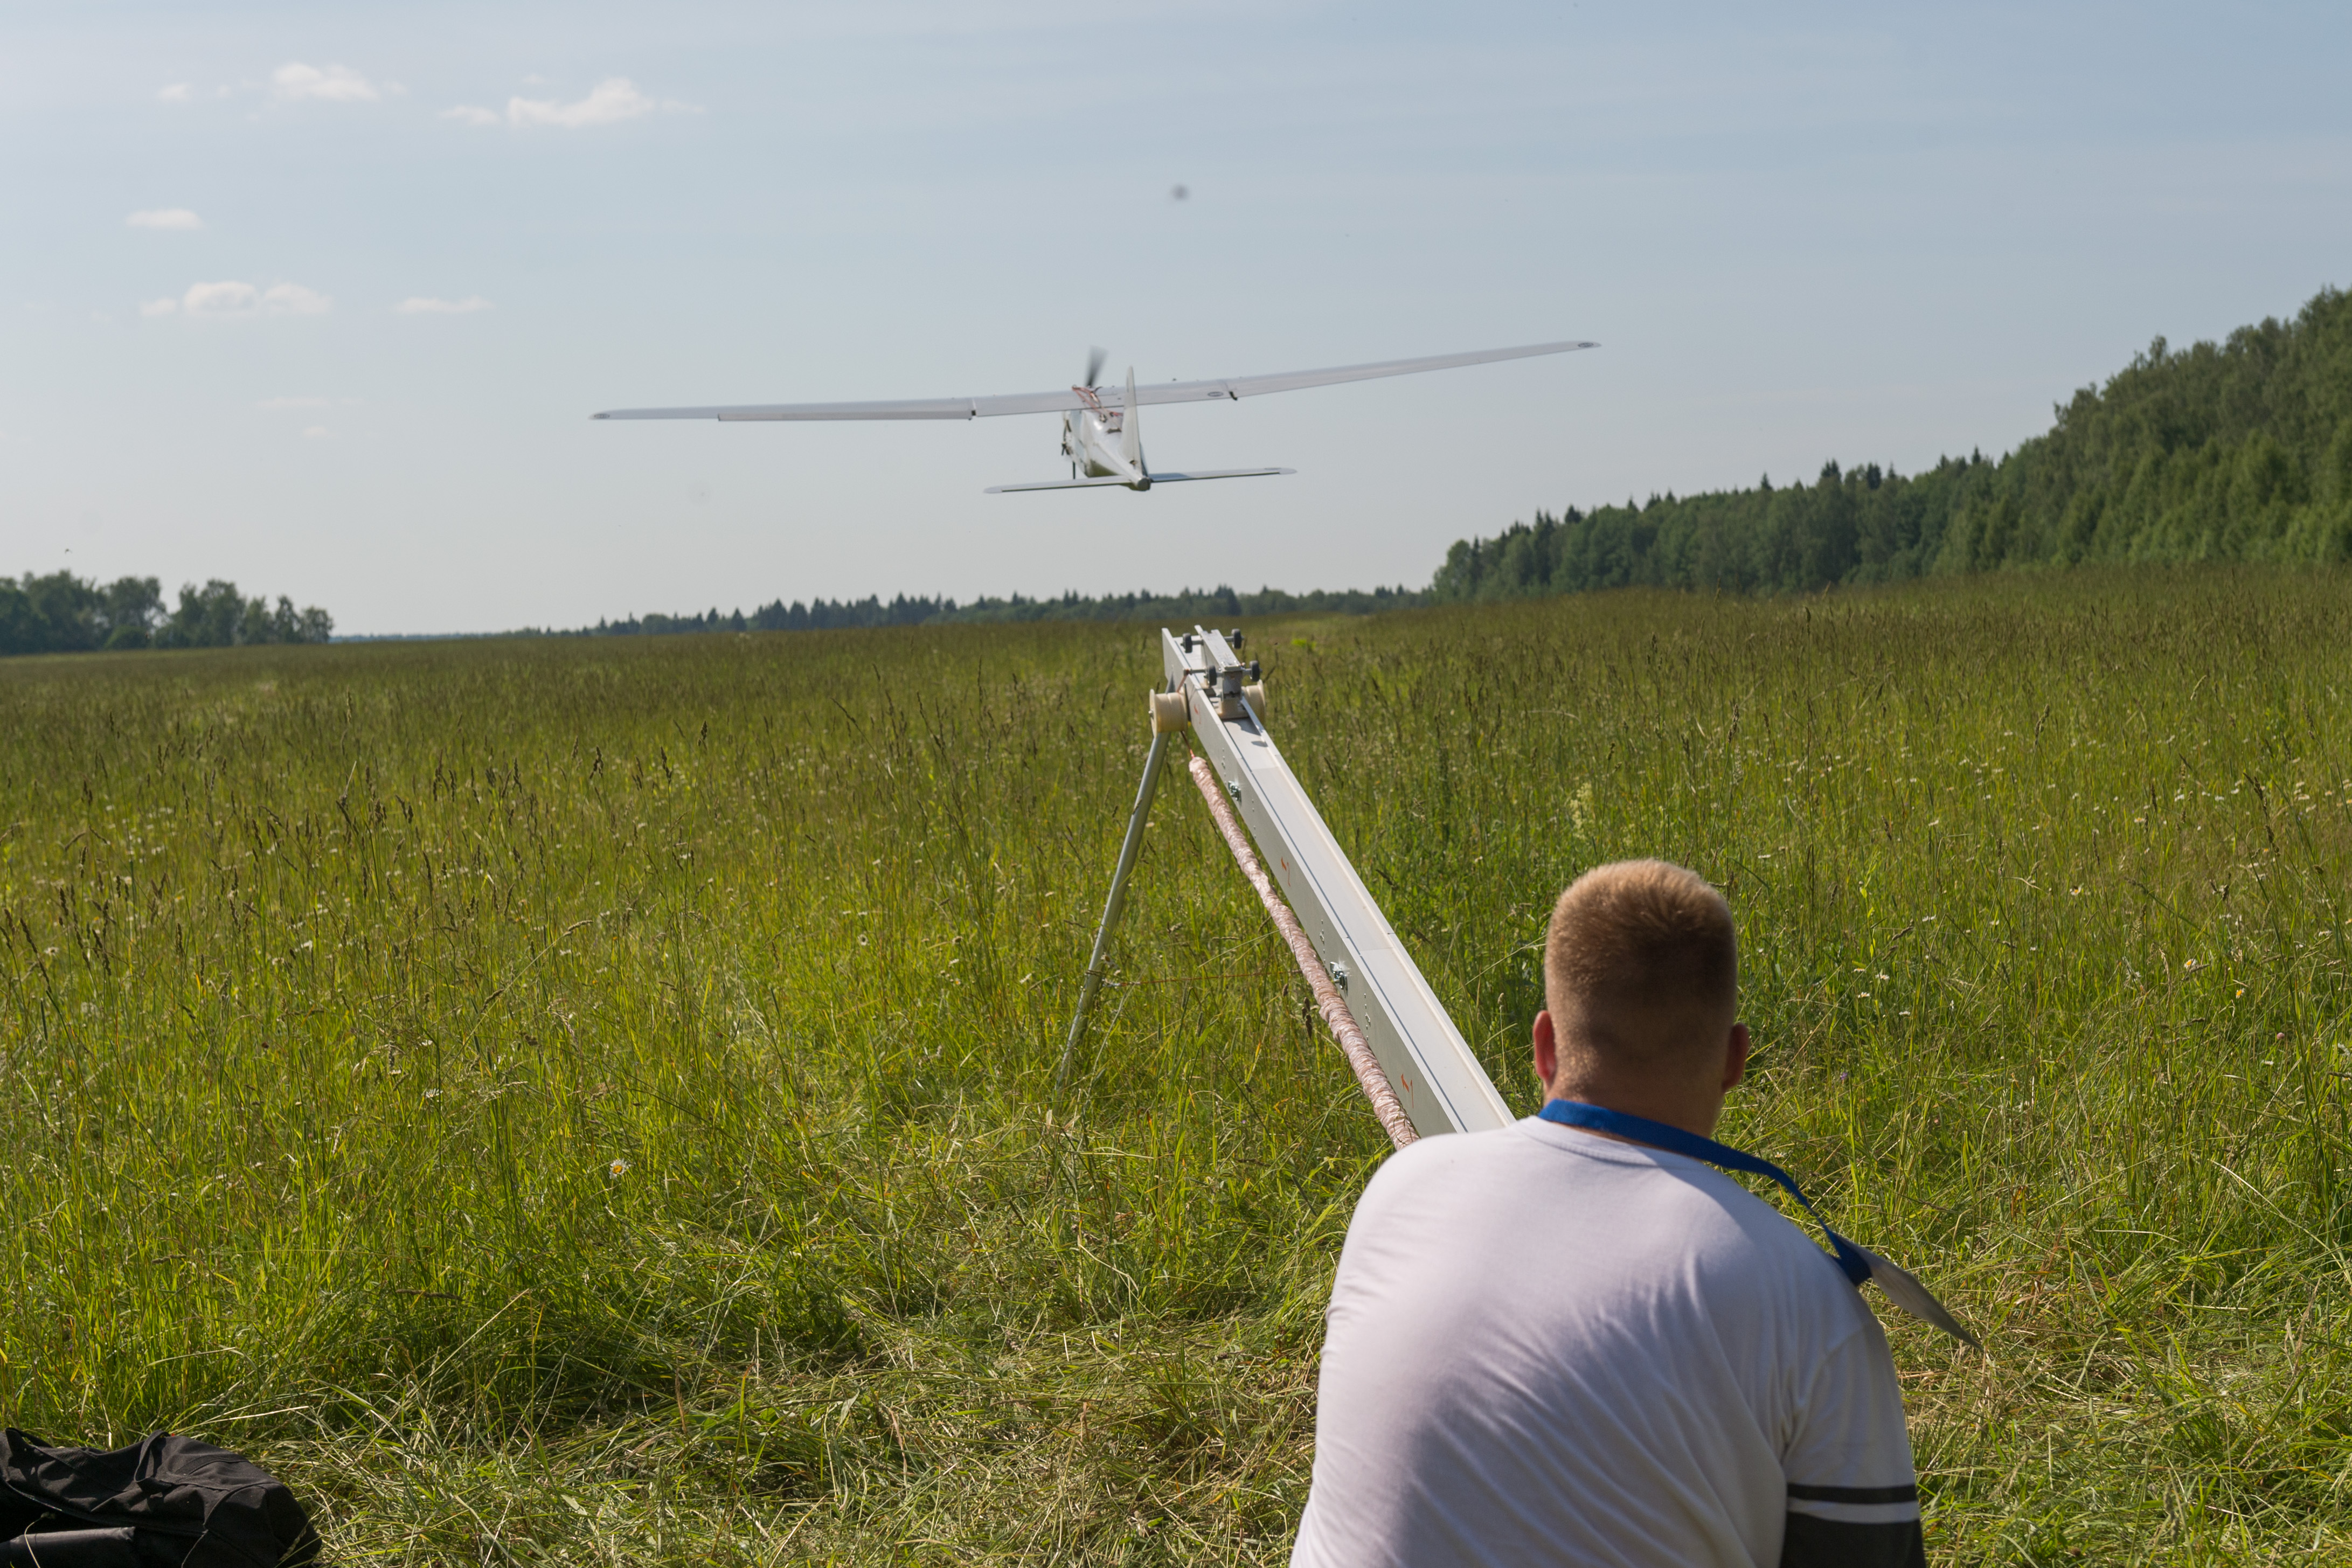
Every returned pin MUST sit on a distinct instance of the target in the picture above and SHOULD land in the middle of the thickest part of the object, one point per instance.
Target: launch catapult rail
(1413, 1063)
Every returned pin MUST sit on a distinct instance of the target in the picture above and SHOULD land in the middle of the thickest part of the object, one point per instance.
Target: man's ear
(1734, 1057)
(1547, 1051)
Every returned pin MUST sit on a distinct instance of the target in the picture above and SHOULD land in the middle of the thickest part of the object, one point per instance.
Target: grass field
(585, 1101)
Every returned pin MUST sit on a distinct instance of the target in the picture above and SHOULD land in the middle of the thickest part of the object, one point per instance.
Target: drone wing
(1293, 380)
(1229, 388)
(909, 408)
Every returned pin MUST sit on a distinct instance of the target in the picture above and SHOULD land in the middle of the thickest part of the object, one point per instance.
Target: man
(1553, 1345)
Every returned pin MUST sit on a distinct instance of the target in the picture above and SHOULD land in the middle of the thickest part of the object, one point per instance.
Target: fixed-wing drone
(1102, 436)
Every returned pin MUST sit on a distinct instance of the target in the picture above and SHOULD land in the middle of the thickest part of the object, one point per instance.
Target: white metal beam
(1442, 1085)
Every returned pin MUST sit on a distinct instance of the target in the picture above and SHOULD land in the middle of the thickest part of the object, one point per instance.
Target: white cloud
(609, 102)
(221, 300)
(293, 300)
(164, 217)
(420, 305)
(317, 432)
(178, 93)
(230, 298)
(273, 404)
(296, 82)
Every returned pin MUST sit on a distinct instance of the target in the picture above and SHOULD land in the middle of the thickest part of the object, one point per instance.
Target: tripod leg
(1113, 905)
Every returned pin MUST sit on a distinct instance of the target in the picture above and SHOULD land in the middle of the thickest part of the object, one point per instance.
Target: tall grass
(586, 1101)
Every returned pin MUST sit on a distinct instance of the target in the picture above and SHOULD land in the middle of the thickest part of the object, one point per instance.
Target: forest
(2235, 451)
(1187, 604)
(61, 613)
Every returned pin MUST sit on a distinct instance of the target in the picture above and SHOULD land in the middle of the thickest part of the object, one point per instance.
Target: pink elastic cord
(1335, 1016)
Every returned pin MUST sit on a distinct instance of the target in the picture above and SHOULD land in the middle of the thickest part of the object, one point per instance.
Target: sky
(319, 297)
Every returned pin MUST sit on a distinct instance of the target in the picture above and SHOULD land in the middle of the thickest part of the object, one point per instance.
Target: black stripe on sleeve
(1853, 1494)
(1812, 1543)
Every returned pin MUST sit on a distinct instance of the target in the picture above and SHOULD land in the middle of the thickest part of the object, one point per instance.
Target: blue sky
(319, 297)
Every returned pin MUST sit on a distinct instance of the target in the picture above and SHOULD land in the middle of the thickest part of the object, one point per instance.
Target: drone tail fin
(1130, 428)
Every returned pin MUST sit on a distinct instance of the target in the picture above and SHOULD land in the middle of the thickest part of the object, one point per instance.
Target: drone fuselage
(1094, 441)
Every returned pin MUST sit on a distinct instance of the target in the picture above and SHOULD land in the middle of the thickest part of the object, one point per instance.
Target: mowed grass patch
(587, 1100)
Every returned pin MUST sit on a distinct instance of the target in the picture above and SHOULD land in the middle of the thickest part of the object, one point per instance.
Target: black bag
(163, 1502)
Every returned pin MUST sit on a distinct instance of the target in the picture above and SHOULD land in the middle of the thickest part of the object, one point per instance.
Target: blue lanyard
(1675, 1141)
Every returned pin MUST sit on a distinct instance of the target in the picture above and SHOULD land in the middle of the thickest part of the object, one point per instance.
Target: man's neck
(1697, 1112)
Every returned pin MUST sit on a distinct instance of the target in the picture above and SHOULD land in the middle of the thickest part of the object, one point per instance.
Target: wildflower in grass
(617, 1168)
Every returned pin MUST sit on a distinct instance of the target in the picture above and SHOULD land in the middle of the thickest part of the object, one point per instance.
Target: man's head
(1641, 988)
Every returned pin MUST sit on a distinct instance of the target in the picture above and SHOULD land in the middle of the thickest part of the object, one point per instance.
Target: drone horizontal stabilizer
(1160, 479)
(1157, 479)
(1053, 485)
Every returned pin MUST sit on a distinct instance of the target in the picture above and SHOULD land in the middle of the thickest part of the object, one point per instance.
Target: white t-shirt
(1546, 1346)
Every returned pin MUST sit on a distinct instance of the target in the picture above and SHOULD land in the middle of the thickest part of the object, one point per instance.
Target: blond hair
(1641, 960)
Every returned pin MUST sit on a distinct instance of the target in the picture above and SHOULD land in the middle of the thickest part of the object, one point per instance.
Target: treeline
(2239, 451)
(826, 614)
(64, 614)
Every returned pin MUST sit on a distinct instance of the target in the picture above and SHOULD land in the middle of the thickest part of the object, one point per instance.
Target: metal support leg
(1113, 905)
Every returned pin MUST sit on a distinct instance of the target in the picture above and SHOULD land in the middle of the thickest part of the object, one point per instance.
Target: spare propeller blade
(1094, 367)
